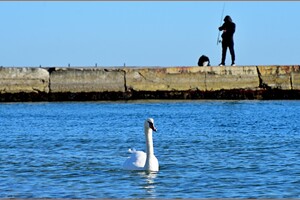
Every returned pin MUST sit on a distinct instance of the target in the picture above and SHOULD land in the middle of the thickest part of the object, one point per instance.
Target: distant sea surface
(206, 149)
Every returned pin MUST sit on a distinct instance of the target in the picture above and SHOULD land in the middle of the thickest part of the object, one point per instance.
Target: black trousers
(230, 45)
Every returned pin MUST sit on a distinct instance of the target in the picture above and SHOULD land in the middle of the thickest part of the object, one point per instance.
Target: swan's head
(149, 124)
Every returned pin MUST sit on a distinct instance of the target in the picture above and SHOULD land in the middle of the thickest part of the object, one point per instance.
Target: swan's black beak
(154, 129)
(151, 125)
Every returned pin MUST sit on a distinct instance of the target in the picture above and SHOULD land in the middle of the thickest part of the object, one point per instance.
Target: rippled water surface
(206, 149)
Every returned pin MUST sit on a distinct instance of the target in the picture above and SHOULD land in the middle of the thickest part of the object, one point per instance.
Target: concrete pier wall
(27, 80)
(78, 80)
(86, 84)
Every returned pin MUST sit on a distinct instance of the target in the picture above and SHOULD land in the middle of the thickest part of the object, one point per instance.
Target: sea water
(206, 149)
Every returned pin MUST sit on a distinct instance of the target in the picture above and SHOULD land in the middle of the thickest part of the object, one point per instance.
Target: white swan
(140, 160)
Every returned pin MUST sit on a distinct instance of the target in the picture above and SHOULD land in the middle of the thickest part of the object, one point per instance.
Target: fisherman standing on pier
(228, 29)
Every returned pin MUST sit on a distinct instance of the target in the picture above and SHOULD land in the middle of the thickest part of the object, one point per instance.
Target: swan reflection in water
(149, 185)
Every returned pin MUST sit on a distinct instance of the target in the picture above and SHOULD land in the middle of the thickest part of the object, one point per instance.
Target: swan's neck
(151, 162)
(149, 142)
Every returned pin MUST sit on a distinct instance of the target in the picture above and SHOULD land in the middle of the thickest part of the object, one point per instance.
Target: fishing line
(218, 39)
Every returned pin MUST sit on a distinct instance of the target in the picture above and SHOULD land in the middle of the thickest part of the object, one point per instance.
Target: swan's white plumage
(140, 160)
(136, 161)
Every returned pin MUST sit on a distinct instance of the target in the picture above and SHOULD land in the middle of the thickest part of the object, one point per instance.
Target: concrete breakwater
(130, 83)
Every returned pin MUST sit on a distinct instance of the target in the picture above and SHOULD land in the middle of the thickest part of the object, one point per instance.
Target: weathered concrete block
(228, 77)
(76, 80)
(27, 80)
(165, 79)
(276, 77)
(295, 77)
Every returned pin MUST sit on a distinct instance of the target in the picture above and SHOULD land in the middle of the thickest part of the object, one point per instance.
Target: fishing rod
(218, 39)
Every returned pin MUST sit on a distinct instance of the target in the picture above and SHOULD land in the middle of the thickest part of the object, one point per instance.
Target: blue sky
(166, 33)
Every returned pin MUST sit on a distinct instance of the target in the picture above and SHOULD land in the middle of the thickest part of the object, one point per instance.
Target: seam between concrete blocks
(291, 80)
(50, 70)
(125, 83)
(261, 82)
(205, 74)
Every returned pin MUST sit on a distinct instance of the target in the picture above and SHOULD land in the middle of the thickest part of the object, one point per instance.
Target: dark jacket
(228, 29)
